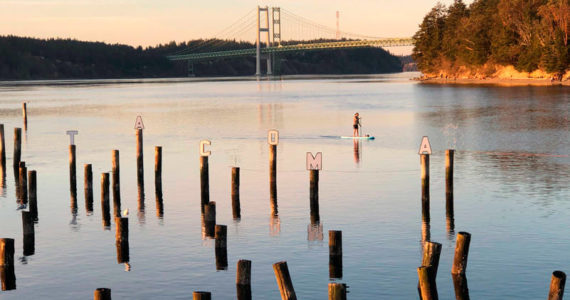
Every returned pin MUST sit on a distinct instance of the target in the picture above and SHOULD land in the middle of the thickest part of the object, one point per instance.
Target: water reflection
(315, 232)
(356, 147)
(141, 207)
(274, 225)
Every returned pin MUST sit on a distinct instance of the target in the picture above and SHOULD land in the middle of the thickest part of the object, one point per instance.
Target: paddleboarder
(356, 125)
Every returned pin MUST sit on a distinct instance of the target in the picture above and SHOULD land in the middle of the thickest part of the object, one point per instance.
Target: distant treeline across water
(30, 58)
(529, 35)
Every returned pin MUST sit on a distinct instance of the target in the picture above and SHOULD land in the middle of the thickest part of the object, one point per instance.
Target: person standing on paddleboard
(356, 125)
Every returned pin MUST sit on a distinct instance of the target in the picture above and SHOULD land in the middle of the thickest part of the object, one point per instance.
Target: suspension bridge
(283, 31)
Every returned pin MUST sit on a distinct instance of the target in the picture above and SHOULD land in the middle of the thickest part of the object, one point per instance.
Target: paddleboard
(358, 137)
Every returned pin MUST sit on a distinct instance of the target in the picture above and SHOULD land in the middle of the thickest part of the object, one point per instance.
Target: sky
(152, 22)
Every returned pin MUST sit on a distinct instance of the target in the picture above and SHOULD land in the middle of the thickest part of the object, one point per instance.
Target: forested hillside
(477, 39)
(30, 58)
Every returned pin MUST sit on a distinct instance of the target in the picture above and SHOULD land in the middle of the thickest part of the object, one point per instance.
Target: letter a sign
(425, 147)
(139, 123)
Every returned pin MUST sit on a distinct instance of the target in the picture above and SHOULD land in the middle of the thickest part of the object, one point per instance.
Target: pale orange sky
(150, 22)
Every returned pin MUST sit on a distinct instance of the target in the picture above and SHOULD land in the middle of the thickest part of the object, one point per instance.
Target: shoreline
(495, 81)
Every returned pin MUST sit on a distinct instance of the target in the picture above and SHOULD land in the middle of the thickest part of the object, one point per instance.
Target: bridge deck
(393, 42)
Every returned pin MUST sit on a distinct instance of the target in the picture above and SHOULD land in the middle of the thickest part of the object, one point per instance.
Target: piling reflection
(315, 232)
(461, 288)
(450, 222)
(426, 234)
(141, 206)
(159, 207)
(2, 181)
(8, 277)
(274, 225)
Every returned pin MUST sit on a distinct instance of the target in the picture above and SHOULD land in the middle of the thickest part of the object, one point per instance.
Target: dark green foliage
(528, 34)
(29, 58)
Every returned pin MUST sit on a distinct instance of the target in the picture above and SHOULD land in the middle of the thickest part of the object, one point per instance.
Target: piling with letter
(273, 178)
(314, 196)
(424, 158)
(204, 182)
(72, 173)
(140, 166)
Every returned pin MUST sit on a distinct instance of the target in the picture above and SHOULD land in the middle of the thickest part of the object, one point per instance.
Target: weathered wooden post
(140, 165)
(449, 153)
(337, 291)
(17, 147)
(23, 182)
(557, 284)
(424, 158)
(122, 239)
(105, 200)
(460, 287)
(6, 252)
(25, 115)
(204, 181)
(102, 294)
(201, 295)
(243, 279)
(273, 178)
(88, 187)
(431, 254)
(7, 274)
(221, 247)
(335, 254)
(210, 219)
(158, 181)
(284, 281)
(72, 171)
(427, 283)
(33, 194)
(116, 182)
(2, 149)
(314, 196)
(236, 207)
(29, 233)
(461, 253)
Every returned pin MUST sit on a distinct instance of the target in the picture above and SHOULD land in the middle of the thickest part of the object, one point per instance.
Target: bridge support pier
(260, 29)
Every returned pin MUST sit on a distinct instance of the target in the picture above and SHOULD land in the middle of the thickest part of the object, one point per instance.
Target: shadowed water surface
(511, 185)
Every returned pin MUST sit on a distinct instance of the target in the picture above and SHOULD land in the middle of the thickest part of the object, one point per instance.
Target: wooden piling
(158, 171)
(204, 182)
(243, 279)
(88, 187)
(335, 254)
(116, 182)
(122, 239)
(221, 247)
(424, 158)
(72, 170)
(105, 200)
(236, 207)
(201, 295)
(140, 165)
(29, 233)
(6, 252)
(337, 291)
(449, 156)
(461, 253)
(17, 147)
(7, 278)
(33, 194)
(25, 115)
(431, 254)
(102, 294)
(23, 182)
(427, 283)
(273, 178)
(314, 196)
(2, 148)
(284, 281)
(557, 284)
(210, 219)
(460, 287)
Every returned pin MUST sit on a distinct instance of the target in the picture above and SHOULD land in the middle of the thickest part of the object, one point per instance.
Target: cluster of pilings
(26, 191)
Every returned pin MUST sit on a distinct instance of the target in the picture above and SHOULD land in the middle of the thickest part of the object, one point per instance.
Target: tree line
(23, 58)
(527, 34)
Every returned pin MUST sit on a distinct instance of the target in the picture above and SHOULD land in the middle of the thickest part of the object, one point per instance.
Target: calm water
(511, 185)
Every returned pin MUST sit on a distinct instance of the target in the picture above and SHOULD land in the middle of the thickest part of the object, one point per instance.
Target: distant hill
(24, 58)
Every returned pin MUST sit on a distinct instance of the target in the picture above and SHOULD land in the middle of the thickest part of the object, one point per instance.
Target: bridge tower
(260, 29)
